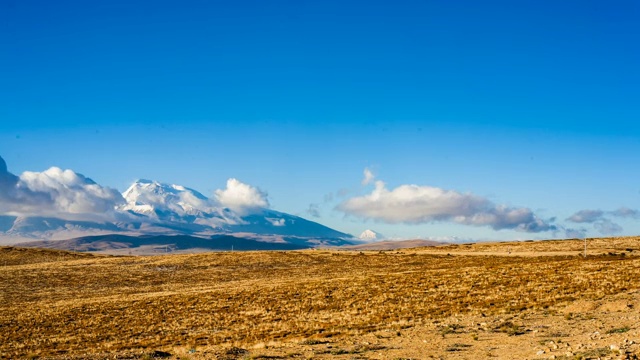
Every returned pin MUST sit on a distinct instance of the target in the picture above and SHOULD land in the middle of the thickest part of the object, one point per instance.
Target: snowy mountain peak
(146, 189)
(169, 202)
(370, 235)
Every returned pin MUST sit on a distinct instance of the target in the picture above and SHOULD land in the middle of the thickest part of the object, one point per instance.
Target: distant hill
(392, 245)
(161, 243)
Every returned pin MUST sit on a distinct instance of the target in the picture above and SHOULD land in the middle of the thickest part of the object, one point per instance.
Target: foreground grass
(61, 304)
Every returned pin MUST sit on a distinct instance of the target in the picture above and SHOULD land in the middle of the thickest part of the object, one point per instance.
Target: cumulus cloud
(13, 196)
(71, 192)
(54, 192)
(607, 227)
(368, 177)
(592, 216)
(625, 212)
(586, 216)
(413, 204)
(242, 198)
(601, 219)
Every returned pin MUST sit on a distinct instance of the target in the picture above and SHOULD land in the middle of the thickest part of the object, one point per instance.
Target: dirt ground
(525, 300)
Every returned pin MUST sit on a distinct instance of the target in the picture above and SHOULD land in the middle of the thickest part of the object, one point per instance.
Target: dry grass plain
(525, 300)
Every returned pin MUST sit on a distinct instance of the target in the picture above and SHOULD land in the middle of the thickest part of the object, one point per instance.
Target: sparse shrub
(509, 328)
(594, 354)
(451, 329)
(457, 347)
(313, 342)
(618, 330)
(338, 352)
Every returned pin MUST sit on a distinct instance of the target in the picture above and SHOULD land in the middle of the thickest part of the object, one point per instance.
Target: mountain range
(156, 211)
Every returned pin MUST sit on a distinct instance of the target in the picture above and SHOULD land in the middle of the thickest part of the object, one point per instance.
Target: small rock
(568, 354)
(540, 352)
(614, 347)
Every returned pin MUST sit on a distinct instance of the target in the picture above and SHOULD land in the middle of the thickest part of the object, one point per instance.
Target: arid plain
(519, 300)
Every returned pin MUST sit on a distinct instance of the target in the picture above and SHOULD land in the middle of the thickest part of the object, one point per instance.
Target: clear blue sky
(530, 104)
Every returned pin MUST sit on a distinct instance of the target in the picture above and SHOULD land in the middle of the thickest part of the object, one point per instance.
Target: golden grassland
(450, 302)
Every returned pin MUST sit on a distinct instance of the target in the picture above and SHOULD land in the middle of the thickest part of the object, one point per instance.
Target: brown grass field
(524, 300)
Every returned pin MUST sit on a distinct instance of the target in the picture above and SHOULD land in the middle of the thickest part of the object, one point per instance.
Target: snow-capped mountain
(174, 203)
(179, 205)
(370, 235)
(58, 204)
(154, 208)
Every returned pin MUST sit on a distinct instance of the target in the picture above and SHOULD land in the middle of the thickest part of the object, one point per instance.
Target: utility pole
(585, 247)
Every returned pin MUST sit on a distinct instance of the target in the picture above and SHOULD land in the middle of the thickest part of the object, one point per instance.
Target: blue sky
(528, 104)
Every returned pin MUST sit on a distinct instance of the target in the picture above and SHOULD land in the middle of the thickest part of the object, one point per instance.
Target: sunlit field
(504, 300)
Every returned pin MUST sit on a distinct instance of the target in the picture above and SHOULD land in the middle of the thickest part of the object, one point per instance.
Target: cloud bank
(413, 204)
(67, 194)
(242, 198)
(586, 216)
(54, 192)
(601, 219)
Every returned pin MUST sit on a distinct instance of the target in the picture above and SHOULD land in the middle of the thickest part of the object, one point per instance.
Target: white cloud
(71, 192)
(368, 177)
(625, 212)
(54, 192)
(242, 198)
(586, 216)
(413, 204)
(570, 233)
(607, 227)
(601, 219)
